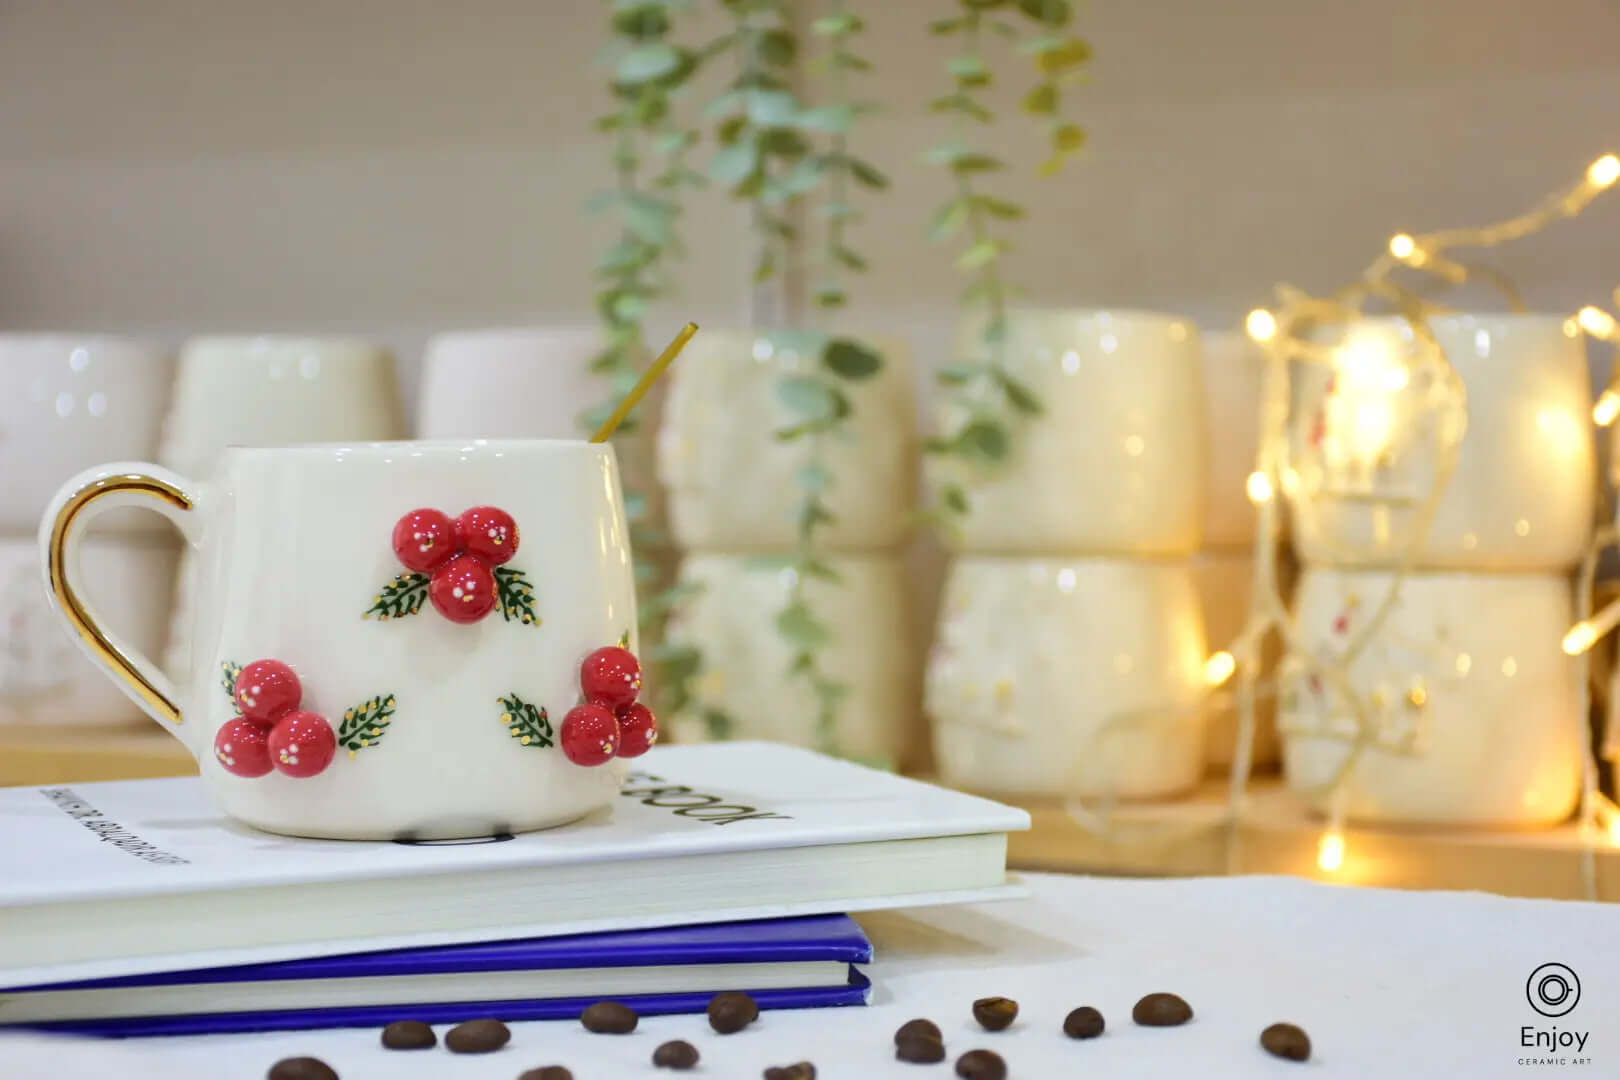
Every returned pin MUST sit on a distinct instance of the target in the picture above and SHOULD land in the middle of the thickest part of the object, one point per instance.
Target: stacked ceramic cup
(72, 402)
(733, 490)
(1474, 707)
(1234, 370)
(1070, 651)
(269, 391)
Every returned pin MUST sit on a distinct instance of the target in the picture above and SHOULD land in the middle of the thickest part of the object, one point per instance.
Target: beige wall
(397, 165)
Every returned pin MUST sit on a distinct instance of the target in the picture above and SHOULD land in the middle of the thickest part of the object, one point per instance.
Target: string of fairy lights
(1298, 330)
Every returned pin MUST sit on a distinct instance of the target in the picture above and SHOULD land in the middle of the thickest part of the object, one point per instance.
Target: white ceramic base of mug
(1498, 734)
(1224, 580)
(746, 660)
(1069, 677)
(430, 830)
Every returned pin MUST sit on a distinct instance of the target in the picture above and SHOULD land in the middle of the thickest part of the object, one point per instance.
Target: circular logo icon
(1553, 989)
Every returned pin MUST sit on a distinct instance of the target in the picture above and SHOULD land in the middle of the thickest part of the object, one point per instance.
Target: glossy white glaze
(731, 484)
(1068, 677)
(73, 400)
(746, 660)
(293, 545)
(1114, 463)
(1522, 495)
(44, 680)
(1234, 368)
(1494, 730)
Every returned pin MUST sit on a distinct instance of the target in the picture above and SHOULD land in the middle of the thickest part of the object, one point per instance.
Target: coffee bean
(801, 1070)
(676, 1054)
(301, 1068)
(995, 1013)
(1083, 1023)
(918, 1027)
(609, 1018)
(408, 1035)
(730, 1012)
(919, 1048)
(981, 1065)
(1286, 1041)
(477, 1037)
(546, 1072)
(1161, 1010)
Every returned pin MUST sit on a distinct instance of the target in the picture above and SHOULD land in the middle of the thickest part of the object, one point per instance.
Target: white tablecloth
(1388, 984)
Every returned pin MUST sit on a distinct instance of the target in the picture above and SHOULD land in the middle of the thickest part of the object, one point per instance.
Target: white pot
(1113, 464)
(731, 484)
(73, 400)
(1224, 581)
(732, 620)
(1478, 713)
(532, 383)
(1521, 498)
(1068, 677)
(1234, 371)
(267, 390)
(44, 680)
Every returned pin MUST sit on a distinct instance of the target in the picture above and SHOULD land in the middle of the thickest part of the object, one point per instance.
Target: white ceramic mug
(44, 682)
(1363, 447)
(1477, 709)
(1225, 582)
(1068, 677)
(1114, 463)
(72, 400)
(1234, 374)
(731, 484)
(453, 728)
(732, 620)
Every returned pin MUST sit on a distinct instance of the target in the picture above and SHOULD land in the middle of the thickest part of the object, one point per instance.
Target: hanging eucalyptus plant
(991, 400)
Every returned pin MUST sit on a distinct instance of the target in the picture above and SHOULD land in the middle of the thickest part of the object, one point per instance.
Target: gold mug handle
(78, 502)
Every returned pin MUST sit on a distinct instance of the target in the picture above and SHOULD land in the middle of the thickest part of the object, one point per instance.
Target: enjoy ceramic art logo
(1553, 990)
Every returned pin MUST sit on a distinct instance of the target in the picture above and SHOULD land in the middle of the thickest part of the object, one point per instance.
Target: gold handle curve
(142, 681)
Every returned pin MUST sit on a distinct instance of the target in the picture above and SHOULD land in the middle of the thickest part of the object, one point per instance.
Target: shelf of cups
(1279, 835)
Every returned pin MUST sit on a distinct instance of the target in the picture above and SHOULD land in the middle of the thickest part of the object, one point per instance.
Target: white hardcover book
(146, 875)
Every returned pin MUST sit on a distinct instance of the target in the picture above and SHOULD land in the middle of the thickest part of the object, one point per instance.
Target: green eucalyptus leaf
(1041, 43)
(783, 143)
(765, 268)
(643, 20)
(812, 513)
(954, 498)
(998, 207)
(629, 307)
(813, 478)
(734, 163)
(644, 63)
(851, 259)
(772, 108)
(983, 438)
(995, 331)
(830, 296)
(1042, 101)
(967, 68)
(847, 60)
(807, 396)
(1068, 138)
(673, 142)
(777, 47)
(730, 102)
(840, 210)
(843, 22)
(946, 26)
(973, 163)
(1019, 396)
(851, 360)
(948, 218)
(830, 119)
(610, 122)
(985, 251)
(958, 374)
(866, 173)
(945, 153)
(984, 5)
(799, 342)
(1071, 54)
(1048, 12)
(801, 628)
(982, 289)
(815, 568)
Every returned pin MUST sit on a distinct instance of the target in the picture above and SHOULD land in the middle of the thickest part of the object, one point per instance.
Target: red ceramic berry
(610, 676)
(590, 734)
(489, 533)
(638, 730)
(464, 590)
(265, 689)
(425, 540)
(302, 744)
(242, 749)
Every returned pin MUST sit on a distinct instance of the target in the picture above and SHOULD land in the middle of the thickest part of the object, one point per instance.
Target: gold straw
(650, 376)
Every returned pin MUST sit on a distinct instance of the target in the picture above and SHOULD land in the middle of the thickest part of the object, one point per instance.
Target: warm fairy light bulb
(1330, 851)
(1595, 321)
(1219, 667)
(1604, 171)
(1259, 487)
(1401, 246)
(1607, 408)
(1581, 637)
(1261, 325)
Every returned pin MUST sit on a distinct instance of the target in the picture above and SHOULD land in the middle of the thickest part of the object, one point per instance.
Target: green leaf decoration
(851, 360)
(983, 438)
(734, 163)
(365, 725)
(801, 628)
(229, 673)
(515, 596)
(1068, 138)
(985, 251)
(403, 596)
(829, 119)
(955, 498)
(641, 20)
(645, 63)
(969, 70)
(807, 396)
(949, 218)
(530, 726)
(772, 108)
(777, 47)
(958, 374)
(998, 207)
(866, 174)
(829, 296)
(1019, 396)
(624, 640)
(837, 25)
(974, 163)
(813, 478)
(1049, 12)
(817, 569)
(1042, 101)
(946, 26)
(945, 153)
(1071, 54)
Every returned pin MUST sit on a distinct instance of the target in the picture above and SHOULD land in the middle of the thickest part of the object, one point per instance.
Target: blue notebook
(783, 963)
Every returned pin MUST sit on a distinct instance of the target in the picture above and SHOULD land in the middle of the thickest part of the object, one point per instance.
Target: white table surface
(1388, 984)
